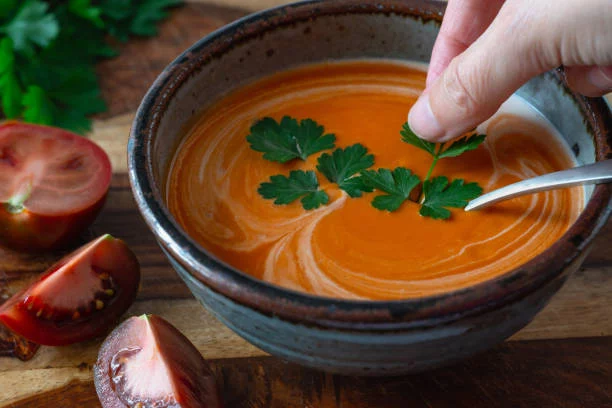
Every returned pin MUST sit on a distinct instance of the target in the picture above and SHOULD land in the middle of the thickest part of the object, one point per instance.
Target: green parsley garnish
(300, 184)
(438, 151)
(439, 195)
(397, 186)
(48, 52)
(342, 166)
(348, 168)
(288, 140)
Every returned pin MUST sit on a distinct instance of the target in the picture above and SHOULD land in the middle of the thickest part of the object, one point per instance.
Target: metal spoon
(597, 173)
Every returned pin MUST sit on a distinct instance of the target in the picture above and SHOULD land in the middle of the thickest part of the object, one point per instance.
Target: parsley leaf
(84, 9)
(117, 16)
(9, 83)
(148, 14)
(397, 185)
(299, 184)
(288, 140)
(438, 151)
(348, 168)
(38, 106)
(462, 145)
(88, 42)
(343, 164)
(7, 7)
(439, 195)
(32, 25)
(123, 18)
(410, 137)
(457, 148)
(48, 52)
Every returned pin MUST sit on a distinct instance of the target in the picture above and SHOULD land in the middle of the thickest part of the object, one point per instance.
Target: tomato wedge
(52, 185)
(147, 362)
(78, 298)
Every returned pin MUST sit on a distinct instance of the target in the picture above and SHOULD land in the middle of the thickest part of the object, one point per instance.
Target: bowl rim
(327, 312)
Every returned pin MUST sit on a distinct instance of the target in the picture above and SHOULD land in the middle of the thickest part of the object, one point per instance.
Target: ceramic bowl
(350, 337)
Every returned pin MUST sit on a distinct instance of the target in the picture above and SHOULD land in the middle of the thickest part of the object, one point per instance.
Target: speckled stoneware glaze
(350, 337)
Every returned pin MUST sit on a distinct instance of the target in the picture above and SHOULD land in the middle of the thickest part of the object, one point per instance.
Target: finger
(464, 21)
(479, 80)
(589, 80)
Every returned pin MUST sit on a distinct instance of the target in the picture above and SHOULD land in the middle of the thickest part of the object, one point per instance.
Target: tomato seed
(73, 164)
(7, 155)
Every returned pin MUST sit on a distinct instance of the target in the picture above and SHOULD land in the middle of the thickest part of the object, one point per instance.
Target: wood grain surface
(562, 359)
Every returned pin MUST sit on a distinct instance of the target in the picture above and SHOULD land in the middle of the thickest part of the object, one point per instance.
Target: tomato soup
(348, 249)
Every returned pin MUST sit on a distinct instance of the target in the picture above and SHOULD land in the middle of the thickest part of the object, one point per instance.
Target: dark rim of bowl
(326, 312)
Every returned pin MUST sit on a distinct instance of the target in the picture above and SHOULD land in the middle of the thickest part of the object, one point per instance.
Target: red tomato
(147, 362)
(78, 298)
(52, 185)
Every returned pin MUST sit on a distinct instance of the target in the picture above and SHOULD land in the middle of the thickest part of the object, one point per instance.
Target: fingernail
(423, 122)
(601, 78)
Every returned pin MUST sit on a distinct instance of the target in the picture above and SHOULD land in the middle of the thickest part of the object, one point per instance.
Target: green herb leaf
(149, 13)
(314, 200)
(342, 165)
(88, 42)
(288, 140)
(117, 9)
(410, 137)
(299, 184)
(38, 106)
(117, 16)
(7, 7)
(355, 186)
(32, 25)
(397, 185)
(47, 63)
(73, 90)
(85, 10)
(462, 145)
(9, 82)
(438, 151)
(439, 195)
(125, 17)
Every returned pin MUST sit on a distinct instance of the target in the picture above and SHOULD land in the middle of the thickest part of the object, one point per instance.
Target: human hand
(487, 49)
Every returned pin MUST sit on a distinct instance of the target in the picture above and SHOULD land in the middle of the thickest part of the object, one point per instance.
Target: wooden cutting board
(562, 359)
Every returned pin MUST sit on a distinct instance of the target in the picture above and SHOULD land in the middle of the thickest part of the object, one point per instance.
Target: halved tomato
(52, 185)
(147, 362)
(78, 298)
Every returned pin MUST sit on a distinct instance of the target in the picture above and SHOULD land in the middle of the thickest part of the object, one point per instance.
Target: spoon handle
(596, 173)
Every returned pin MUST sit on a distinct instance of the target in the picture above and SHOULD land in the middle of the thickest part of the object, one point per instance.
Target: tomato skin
(27, 231)
(47, 227)
(109, 255)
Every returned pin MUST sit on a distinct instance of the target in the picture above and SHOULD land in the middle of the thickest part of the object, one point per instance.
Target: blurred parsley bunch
(48, 51)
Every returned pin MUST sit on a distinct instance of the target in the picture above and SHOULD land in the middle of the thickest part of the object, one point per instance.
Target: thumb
(477, 82)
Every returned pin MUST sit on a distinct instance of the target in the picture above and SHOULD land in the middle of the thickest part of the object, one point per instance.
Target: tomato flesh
(52, 185)
(147, 361)
(77, 298)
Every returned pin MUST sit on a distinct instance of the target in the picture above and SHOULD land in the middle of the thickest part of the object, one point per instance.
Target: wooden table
(562, 359)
